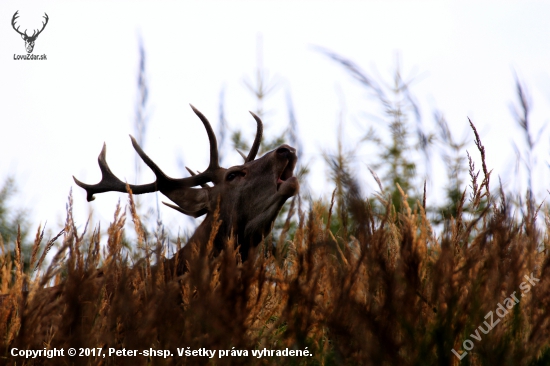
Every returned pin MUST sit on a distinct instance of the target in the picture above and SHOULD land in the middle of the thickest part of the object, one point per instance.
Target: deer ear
(23, 36)
(190, 201)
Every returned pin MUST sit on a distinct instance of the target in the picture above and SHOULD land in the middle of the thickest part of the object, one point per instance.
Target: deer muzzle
(287, 183)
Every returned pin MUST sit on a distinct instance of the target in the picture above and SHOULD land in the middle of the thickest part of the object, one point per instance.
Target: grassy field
(352, 281)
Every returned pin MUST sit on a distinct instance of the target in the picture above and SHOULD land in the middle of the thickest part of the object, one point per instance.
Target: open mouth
(286, 173)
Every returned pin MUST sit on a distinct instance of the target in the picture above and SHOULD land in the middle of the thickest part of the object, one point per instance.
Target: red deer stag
(249, 196)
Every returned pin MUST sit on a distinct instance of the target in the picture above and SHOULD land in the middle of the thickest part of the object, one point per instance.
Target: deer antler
(15, 16)
(110, 183)
(214, 165)
(34, 34)
(43, 26)
(256, 145)
(169, 186)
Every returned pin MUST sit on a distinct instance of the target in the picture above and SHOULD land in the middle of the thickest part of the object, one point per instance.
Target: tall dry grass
(353, 284)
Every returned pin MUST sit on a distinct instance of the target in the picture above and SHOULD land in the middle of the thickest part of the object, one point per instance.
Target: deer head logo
(29, 40)
(248, 197)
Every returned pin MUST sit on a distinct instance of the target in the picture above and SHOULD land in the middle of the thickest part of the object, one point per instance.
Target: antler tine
(15, 16)
(165, 182)
(109, 182)
(43, 23)
(193, 174)
(211, 138)
(242, 155)
(150, 163)
(257, 140)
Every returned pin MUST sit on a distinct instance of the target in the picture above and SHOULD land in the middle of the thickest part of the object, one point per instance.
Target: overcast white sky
(56, 114)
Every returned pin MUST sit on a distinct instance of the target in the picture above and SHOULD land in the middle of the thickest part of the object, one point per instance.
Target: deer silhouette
(29, 40)
(247, 197)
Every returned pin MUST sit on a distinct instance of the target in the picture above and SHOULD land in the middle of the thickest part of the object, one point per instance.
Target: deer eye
(234, 175)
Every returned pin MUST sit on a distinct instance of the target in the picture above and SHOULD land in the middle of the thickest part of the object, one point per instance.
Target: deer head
(29, 40)
(249, 196)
